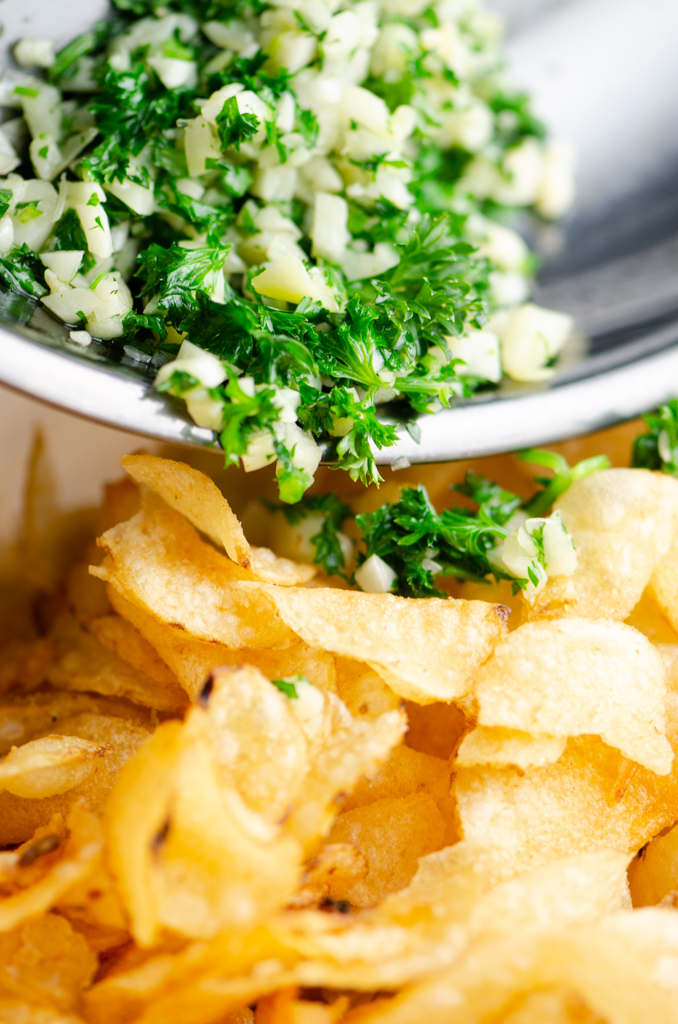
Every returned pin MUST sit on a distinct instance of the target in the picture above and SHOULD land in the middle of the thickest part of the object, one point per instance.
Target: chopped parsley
(658, 447)
(420, 544)
(368, 210)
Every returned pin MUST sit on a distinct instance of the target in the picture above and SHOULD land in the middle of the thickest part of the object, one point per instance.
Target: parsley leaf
(176, 273)
(22, 271)
(333, 513)
(233, 127)
(658, 448)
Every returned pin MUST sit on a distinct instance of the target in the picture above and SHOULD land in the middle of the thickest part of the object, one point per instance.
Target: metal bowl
(602, 74)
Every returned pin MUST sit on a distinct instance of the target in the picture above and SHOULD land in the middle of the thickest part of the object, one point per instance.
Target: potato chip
(50, 765)
(188, 854)
(593, 961)
(337, 867)
(653, 875)
(364, 692)
(194, 660)
(84, 663)
(424, 649)
(549, 1006)
(45, 962)
(24, 716)
(622, 523)
(590, 799)
(198, 498)
(349, 749)
(392, 833)
(48, 866)
(158, 562)
(408, 771)
(436, 729)
(117, 738)
(497, 746)
(573, 677)
(259, 743)
(648, 618)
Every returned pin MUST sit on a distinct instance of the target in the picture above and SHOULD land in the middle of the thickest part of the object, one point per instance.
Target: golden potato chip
(84, 663)
(120, 637)
(564, 891)
(24, 716)
(45, 962)
(50, 765)
(622, 523)
(663, 587)
(495, 745)
(86, 595)
(590, 799)
(599, 963)
(337, 867)
(259, 743)
(425, 649)
(157, 561)
(573, 677)
(48, 866)
(347, 749)
(653, 874)
(198, 498)
(649, 618)
(193, 660)
(549, 1006)
(188, 854)
(26, 666)
(118, 738)
(404, 772)
(436, 729)
(392, 833)
(363, 691)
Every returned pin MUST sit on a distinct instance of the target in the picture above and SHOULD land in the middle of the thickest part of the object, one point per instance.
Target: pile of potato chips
(433, 815)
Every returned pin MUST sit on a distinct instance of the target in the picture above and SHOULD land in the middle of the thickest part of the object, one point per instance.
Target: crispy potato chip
(653, 875)
(572, 678)
(404, 772)
(26, 666)
(348, 749)
(50, 765)
(619, 974)
(337, 867)
(392, 833)
(663, 585)
(259, 743)
(45, 962)
(565, 891)
(24, 716)
(194, 660)
(590, 799)
(622, 523)
(425, 649)
(120, 637)
(48, 866)
(188, 854)
(158, 562)
(549, 1006)
(364, 692)
(84, 663)
(198, 498)
(648, 618)
(118, 738)
(436, 729)
(495, 745)
(86, 595)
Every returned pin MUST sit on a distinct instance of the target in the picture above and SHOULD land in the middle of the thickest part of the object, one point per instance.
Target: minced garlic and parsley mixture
(293, 211)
